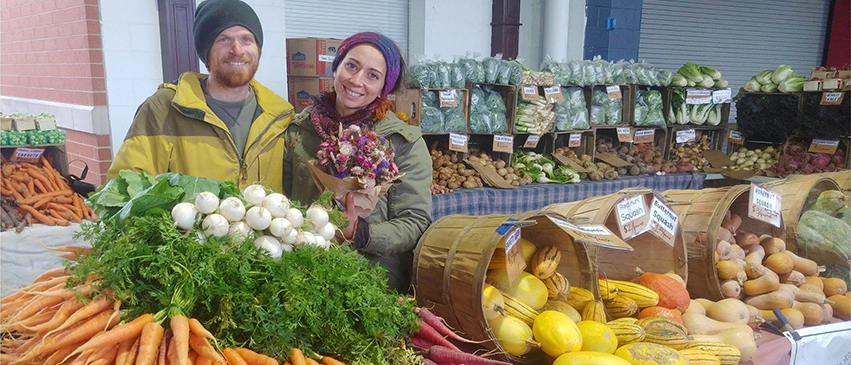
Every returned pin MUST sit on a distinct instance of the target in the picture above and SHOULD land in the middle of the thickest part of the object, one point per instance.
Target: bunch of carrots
(47, 323)
(432, 343)
(42, 195)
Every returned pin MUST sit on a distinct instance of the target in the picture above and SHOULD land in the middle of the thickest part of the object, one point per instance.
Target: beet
(821, 161)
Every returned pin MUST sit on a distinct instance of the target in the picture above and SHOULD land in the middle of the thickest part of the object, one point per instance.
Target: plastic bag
(494, 102)
(454, 120)
(600, 97)
(639, 113)
(457, 79)
(618, 77)
(629, 72)
(598, 116)
(650, 103)
(605, 74)
(664, 77)
(504, 73)
(419, 76)
(614, 112)
(432, 120)
(577, 75)
(516, 73)
(572, 113)
(560, 71)
(480, 122)
(431, 99)
(491, 67)
(498, 121)
(477, 101)
(473, 70)
(443, 79)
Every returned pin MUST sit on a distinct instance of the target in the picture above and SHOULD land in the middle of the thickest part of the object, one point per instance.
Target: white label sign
(575, 140)
(458, 142)
(735, 137)
(326, 58)
(28, 153)
(448, 99)
(722, 96)
(503, 143)
(663, 222)
(532, 141)
(764, 205)
(696, 97)
(644, 136)
(592, 234)
(512, 239)
(686, 135)
(632, 216)
(614, 92)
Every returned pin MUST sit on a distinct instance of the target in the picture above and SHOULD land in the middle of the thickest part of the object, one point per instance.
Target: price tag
(696, 97)
(514, 261)
(575, 140)
(530, 93)
(448, 98)
(663, 222)
(722, 96)
(686, 135)
(532, 141)
(597, 235)
(735, 137)
(326, 58)
(27, 154)
(764, 205)
(645, 136)
(458, 142)
(553, 94)
(827, 146)
(632, 217)
(614, 92)
(831, 98)
(503, 143)
(624, 134)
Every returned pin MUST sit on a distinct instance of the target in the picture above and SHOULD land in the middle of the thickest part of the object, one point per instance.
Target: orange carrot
(193, 356)
(43, 201)
(92, 308)
(297, 357)
(64, 199)
(149, 343)
(161, 355)
(233, 357)
(70, 306)
(180, 327)
(253, 358)
(124, 350)
(30, 186)
(60, 219)
(118, 334)
(76, 334)
(41, 176)
(171, 355)
(36, 214)
(197, 328)
(131, 356)
(50, 274)
(47, 300)
(34, 320)
(310, 361)
(81, 358)
(60, 354)
(39, 186)
(203, 348)
(35, 198)
(203, 361)
(327, 360)
(101, 353)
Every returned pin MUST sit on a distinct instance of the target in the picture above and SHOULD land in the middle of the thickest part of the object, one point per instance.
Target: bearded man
(223, 126)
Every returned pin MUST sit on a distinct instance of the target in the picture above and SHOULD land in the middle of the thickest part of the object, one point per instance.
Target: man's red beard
(235, 78)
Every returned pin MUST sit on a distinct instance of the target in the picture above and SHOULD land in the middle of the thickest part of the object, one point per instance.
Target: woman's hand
(351, 213)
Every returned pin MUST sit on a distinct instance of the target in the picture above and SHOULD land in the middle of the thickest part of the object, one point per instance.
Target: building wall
(51, 61)
(449, 28)
(620, 42)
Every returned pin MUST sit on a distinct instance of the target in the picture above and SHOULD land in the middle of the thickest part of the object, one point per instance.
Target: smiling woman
(368, 66)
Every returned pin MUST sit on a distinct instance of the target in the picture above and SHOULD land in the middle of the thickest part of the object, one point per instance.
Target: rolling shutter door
(737, 38)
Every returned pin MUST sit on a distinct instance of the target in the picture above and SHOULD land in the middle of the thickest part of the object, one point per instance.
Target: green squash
(823, 238)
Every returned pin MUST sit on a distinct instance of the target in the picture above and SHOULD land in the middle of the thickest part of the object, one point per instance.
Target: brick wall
(51, 51)
(620, 42)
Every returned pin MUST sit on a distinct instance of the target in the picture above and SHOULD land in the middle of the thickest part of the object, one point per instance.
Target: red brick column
(50, 50)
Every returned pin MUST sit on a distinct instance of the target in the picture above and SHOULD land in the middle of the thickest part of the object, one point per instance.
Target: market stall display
(757, 160)
(606, 110)
(796, 158)
(782, 79)
(572, 113)
(601, 72)
(534, 116)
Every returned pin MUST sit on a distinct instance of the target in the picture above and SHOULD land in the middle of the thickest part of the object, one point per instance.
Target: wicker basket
(798, 193)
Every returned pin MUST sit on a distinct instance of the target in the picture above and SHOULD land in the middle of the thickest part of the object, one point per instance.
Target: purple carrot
(421, 343)
(446, 356)
(440, 325)
(430, 334)
(427, 361)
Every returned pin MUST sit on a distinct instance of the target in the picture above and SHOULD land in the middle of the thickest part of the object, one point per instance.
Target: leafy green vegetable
(329, 302)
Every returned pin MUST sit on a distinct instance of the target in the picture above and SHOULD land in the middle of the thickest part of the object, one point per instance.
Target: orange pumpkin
(663, 312)
(672, 294)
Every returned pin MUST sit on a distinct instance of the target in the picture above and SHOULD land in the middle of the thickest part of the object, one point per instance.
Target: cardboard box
(311, 57)
(6, 123)
(301, 89)
(822, 74)
(843, 74)
(813, 85)
(45, 124)
(831, 84)
(410, 101)
(24, 124)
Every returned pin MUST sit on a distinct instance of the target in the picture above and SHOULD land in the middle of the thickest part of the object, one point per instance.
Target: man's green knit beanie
(214, 16)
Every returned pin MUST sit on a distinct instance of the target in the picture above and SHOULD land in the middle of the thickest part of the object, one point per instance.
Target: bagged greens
(419, 76)
(457, 78)
(605, 111)
(443, 79)
(491, 67)
(648, 109)
(487, 111)
(432, 119)
(572, 113)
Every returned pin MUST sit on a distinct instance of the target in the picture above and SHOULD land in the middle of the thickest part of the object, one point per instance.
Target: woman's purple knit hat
(392, 56)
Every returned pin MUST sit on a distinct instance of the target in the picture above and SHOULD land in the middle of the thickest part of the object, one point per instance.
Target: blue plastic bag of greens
(432, 120)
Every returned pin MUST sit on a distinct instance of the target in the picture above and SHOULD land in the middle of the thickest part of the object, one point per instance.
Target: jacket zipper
(243, 169)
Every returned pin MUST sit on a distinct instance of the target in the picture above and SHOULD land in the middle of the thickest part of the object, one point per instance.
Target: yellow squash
(594, 311)
(589, 358)
(513, 335)
(598, 337)
(556, 333)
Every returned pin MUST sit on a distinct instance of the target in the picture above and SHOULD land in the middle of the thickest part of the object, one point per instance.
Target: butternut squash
(705, 303)
(725, 222)
(779, 263)
(731, 288)
(778, 299)
(746, 239)
(834, 286)
(805, 296)
(766, 283)
(729, 310)
(695, 307)
(755, 318)
(756, 271)
(741, 337)
(841, 306)
(813, 313)
(815, 281)
(723, 234)
(773, 245)
(735, 222)
(735, 252)
(793, 277)
(804, 266)
(828, 312)
(697, 324)
(755, 255)
(793, 316)
(811, 288)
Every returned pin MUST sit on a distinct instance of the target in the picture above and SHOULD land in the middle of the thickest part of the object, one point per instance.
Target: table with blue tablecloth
(536, 196)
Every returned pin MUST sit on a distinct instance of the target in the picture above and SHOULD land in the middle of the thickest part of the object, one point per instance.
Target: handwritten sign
(448, 98)
(624, 134)
(735, 137)
(827, 146)
(722, 96)
(645, 136)
(530, 93)
(614, 92)
(597, 235)
(458, 142)
(532, 141)
(553, 94)
(503, 143)
(575, 140)
(27, 154)
(663, 222)
(686, 135)
(764, 205)
(698, 97)
(832, 98)
(632, 216)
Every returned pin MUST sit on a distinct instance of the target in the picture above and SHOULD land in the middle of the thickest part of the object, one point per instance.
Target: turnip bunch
(270, 220)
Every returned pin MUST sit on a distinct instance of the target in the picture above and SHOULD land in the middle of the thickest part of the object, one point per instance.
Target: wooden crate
(717, 137)
(56, 154)
(546, 144)
(518, 95)
(410, 101)
(509, 97)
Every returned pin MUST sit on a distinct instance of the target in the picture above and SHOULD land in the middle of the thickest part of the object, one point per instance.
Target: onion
(295, 217)
(317, 215)
(206, 202)
(327, 231)
(291, 238)
(270, 244)
(258, 218)
(232, 209)
(254, 194)
(239, 231)
(184, 215)
(280, 227)
(277, 204)
(215, 225)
